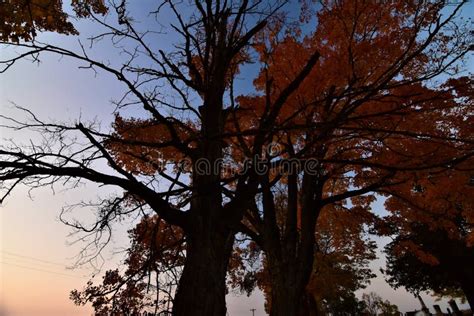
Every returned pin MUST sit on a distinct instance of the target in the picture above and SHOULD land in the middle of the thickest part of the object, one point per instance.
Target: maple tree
(432, 227)
(212, 39)
(372, 126)
(24, 19)
(341, 268)
(347, 304)
(342, 254)
(375, 305)
(358, 113)
(341, 262)
(153, 265)
(425, 259)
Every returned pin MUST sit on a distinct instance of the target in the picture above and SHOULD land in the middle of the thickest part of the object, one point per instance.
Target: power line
(33, 264)
(33, 258)
(41, 270)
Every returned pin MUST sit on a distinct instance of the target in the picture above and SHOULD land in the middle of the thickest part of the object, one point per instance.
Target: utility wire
(41, 270)
(33, 258)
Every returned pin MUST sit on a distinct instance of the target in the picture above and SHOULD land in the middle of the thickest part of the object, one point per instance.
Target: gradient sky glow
(34, 245)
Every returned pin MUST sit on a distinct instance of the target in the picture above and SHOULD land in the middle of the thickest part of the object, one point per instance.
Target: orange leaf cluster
(23, 19)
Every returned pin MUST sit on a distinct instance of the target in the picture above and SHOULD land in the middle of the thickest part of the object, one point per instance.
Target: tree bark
(288, 300)
(309, 306)
(291, 259)
(288, 289)
(201, 290)
(284, 299)
(209, 239)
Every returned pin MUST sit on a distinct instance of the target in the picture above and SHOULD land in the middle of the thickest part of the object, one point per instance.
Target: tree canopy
(24, 19)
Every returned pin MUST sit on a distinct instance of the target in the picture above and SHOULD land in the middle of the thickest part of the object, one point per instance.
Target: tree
(213, 42)
(374, 305)
(432, 228)
(342, 254)
(388, 309)
(329, 129)
(372, 302)
(23, 19)
(153, 266)
(341, 268)
(347, 304)
(341, 264)
(426, 259)
(374, 125)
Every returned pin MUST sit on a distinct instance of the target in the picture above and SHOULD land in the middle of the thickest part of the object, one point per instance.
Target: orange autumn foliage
(153, 261)
(144, 146)
(24, 19)
(365, 111)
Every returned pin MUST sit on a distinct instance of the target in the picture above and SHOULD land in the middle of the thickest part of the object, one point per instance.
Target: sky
(35, 247)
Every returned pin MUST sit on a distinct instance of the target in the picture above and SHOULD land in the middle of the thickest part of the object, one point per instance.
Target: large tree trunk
(284, 300)
(291, 259)
(288, 289)
(309, 306)
(202, 289)
(288, 300)
(209, 238)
